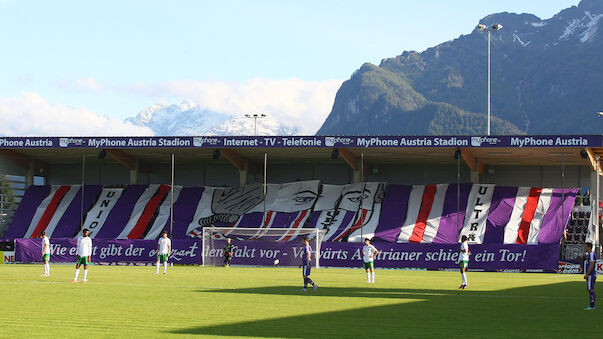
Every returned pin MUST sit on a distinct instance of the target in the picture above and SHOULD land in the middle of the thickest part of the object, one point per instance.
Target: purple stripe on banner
(393, 212)
(184, 211)
(449, 229)
(348, 219)
(69, 225)
(553, 223)
(282, 219)
(27, 208)
(503, 200)
(250, 220)
(119, 215)
(313, 219)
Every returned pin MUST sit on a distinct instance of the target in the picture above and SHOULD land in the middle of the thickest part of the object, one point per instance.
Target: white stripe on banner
(414, 204)
(544, 201)
(138, 209)
(512, 227)
(40, 211)
(203, 207)
(164, 214)
(476, 215)
(58, 214)
(435, 214)
(96, 217)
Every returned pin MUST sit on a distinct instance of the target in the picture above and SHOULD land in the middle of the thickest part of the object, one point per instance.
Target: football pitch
(122, 301)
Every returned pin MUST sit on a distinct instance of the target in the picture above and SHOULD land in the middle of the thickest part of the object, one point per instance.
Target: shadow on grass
(546, 310)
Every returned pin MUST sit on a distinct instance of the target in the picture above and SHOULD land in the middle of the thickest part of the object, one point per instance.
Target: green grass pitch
(191, 301)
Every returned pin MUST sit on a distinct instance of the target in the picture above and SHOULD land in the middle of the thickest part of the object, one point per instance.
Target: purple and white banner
(109, 250)
(333, 254)
(304, 141)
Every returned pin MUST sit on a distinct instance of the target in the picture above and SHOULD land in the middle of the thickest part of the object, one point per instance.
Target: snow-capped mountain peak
(189, 118)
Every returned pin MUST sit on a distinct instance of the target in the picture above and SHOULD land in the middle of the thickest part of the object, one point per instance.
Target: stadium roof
(376, 150)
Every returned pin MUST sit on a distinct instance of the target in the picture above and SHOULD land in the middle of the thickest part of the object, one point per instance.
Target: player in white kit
(84, 251)
(164, 248)
(45, 254)
(369, 252)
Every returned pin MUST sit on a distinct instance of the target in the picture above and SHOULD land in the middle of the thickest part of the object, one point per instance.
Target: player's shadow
(414, 313)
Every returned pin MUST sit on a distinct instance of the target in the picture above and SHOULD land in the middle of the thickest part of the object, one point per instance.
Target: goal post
(260, 246)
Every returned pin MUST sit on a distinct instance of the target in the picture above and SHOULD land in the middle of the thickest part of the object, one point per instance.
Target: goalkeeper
(228, 250)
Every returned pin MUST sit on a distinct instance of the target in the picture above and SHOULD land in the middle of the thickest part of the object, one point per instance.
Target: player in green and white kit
(463, 261)
(84, 251)
(45, 254)
(368, 255)
(164, 247)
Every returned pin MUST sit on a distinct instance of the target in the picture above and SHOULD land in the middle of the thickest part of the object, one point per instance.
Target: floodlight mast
(484, 28)
(255, 118)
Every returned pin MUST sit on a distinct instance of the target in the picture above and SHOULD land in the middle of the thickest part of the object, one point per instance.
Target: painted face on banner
(327, 200)
(237, 200)
(362, 196)
(295, 196)
(354, 194)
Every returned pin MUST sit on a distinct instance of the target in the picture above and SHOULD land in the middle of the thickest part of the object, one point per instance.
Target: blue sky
(115, 58)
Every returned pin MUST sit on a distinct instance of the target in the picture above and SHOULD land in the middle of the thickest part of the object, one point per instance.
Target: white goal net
(260, 246)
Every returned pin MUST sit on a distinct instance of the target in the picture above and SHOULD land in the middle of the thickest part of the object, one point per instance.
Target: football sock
(373, 276)
(47, 268)
(85, 273)
(164, 266)
(157, 267)
(368, 276)
(305, 282)
(310, 281)
(464, 275)
(592, 298)
(77, 272)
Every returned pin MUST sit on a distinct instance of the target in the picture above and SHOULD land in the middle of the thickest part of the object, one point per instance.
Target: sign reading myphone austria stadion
(303, 141)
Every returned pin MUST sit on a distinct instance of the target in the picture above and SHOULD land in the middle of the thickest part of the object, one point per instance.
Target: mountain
(188, 118)
(546, 79)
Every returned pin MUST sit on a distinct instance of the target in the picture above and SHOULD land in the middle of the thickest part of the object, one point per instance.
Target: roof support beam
(239, 161)
(473, 163)
(353, 160)
(24, 161)
(129, 161)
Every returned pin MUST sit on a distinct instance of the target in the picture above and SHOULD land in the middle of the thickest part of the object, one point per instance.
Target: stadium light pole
(172, 198)
(82, 198)
(255, 118)
(596, 210)
(484, 28)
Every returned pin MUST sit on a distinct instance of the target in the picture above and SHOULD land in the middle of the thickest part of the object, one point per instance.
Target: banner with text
(304, 141)
(109, 250)
(333, 254)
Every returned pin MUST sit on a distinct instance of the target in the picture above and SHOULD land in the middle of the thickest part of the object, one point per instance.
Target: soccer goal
(260, 246)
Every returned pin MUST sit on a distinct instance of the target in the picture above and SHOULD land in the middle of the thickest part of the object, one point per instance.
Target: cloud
(31, 115)
(301, 103)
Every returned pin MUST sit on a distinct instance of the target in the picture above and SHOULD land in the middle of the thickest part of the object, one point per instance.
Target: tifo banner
(333, 254)
(439, 214)
(304, 141)
(108, 251)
